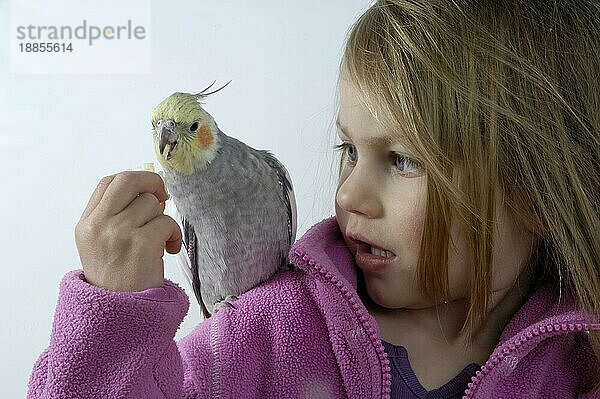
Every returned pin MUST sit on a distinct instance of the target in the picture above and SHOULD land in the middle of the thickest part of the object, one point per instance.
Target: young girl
(463, 259)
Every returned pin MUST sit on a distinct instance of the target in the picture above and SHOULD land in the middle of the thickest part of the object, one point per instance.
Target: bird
(237, 203)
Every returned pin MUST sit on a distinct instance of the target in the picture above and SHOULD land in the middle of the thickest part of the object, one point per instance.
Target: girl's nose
(358, 193)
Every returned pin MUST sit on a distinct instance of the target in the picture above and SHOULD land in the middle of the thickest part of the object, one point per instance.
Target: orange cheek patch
(205, 136)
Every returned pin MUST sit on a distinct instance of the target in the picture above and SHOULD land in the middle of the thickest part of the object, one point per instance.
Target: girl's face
(380, 207)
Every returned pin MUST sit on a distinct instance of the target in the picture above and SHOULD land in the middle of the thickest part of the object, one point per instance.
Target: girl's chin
(386, 296)
(383, 297)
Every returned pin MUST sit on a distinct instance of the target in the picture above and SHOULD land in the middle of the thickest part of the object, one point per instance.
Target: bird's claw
(228, 301)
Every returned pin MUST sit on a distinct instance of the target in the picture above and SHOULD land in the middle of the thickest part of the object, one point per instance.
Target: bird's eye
(194, 127)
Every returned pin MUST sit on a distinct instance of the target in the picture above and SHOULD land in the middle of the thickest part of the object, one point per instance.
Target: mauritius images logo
(61, 36)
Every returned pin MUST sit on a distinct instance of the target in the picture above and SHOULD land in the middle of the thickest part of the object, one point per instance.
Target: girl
(463, 259)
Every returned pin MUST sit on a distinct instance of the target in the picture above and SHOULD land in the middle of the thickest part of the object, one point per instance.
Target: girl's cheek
(416, 225)
(414, 232)
(411, 220)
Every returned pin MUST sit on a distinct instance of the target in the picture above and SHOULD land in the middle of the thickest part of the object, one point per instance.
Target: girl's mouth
(381, 252)
(371, 258)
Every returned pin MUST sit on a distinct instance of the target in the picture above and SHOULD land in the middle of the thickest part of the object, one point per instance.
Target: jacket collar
(323, 244)
(546, 305)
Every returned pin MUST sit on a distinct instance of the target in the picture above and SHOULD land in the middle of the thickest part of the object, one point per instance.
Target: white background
(60, 133)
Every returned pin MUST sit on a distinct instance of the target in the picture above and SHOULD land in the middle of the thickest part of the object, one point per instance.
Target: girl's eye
(194, 127)
(405, 165)
(349, 151)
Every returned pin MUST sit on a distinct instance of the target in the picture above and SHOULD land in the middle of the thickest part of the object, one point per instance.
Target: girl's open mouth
(371, 258)
(381, 252)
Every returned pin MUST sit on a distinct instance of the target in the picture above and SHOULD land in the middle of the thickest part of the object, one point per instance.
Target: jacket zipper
(361, 314)
(215, 361)
(512, 345)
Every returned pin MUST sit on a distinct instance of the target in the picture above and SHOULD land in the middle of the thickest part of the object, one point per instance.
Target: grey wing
(190, 242)
(285, 184)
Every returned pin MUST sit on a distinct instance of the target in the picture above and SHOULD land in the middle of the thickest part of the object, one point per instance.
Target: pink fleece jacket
(302, 334)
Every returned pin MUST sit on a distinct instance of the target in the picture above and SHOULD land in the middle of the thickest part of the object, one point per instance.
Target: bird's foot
(228, 301)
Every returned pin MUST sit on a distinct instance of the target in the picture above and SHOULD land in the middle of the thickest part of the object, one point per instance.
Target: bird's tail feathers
(183, 261)
(182, 258)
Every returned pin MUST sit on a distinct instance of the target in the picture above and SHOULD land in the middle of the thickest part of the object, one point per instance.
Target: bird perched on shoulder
(237, 203)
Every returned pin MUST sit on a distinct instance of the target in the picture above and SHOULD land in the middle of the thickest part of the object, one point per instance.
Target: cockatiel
(237, 203)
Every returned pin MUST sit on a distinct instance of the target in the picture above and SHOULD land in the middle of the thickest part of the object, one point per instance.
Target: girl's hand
(123, 233)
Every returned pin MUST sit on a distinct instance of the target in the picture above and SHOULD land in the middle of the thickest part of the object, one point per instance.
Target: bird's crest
(177, 101)
(202, 94)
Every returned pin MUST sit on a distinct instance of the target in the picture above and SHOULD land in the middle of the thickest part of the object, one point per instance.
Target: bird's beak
(167, 138)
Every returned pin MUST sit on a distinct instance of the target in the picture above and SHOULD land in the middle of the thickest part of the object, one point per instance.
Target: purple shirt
(405, 384)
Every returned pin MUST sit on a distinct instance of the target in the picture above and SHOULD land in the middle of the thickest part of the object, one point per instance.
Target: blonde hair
(507, 91)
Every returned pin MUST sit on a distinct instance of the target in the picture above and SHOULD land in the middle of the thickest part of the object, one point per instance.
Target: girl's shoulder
(273, 339)
(544, 351)
(546, 306)
(300, 331)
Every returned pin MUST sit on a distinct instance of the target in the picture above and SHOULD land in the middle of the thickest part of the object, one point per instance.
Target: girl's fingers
(142, 209)
(126, 186)
(97, 195)
(164, 229)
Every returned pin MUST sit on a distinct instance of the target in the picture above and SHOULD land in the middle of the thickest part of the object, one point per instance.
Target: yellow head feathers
(185, 135)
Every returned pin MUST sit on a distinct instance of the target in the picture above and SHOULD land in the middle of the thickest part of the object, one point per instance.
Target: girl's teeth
(381, 252)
